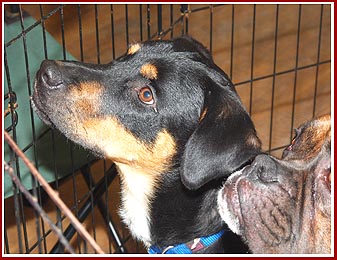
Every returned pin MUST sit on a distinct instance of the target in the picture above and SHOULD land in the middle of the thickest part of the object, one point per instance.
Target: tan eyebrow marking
(133, 48)
(149, 71)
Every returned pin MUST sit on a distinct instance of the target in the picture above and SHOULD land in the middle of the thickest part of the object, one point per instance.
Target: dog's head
(160, 101)
(284, 206)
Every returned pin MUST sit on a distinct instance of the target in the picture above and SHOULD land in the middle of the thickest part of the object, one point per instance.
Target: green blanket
(54, 156)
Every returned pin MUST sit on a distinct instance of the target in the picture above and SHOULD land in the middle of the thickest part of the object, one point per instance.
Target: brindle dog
(284, 206)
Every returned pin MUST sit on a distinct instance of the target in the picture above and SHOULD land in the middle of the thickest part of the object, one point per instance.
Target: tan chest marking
(137, 192)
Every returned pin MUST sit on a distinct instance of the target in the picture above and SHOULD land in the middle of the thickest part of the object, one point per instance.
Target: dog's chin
(229, 202)
(35, 103)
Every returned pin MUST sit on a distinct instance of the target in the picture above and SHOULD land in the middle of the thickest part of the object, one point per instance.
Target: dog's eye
(145, 95)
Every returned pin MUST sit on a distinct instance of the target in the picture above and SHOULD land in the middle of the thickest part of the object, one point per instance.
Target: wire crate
(277, 55)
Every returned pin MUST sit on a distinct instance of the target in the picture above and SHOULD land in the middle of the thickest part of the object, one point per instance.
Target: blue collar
(190, 247)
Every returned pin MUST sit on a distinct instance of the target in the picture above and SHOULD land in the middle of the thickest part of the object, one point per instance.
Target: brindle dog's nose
(50, 74)
(265, 168)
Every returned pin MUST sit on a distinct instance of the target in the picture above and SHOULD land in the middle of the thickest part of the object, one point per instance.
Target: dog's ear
(188, 44)
(224, 140)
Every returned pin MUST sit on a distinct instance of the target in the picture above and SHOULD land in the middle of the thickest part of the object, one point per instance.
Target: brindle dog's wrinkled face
(284, 206)
(141, 109)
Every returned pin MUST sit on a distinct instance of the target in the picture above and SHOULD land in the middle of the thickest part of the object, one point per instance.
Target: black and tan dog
(162, 109)
(284, 206)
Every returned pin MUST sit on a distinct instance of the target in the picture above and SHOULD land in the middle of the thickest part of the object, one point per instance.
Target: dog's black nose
(265, 168)
(50, 74)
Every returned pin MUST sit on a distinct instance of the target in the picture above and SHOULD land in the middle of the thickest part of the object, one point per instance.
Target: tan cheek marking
(118, 144)
(85, 98)
(149, 71)
(133, 49)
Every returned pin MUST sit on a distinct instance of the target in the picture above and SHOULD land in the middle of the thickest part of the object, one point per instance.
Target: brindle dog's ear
(224, 140)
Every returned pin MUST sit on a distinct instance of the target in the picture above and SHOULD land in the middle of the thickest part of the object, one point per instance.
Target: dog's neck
(147, 197)
(136, 194)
